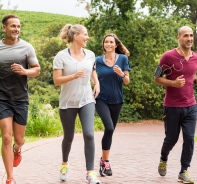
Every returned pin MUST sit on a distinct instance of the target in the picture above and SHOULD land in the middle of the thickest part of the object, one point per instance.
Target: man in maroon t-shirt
(176, 71)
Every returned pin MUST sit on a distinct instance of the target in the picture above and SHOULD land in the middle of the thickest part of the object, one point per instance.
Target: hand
(96, 90)
(118, 70)
(179, 82)
(17, 68)
(80, 73)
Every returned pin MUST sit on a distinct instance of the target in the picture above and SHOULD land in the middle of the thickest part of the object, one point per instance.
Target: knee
(19, 141)
(6, 139)
(171, 141)
(89, 136)
(109, 131)
(68, 140)
(189, 139)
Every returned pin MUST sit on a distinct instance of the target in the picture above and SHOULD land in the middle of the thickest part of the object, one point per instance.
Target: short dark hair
(5, 19)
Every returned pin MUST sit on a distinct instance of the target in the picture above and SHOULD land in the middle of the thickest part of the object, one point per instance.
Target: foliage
(44, 120)
(146, 38)
(44, 93)
(185, 9)
(46, 54)
(110, 7)
(129, 114)
(34, 24)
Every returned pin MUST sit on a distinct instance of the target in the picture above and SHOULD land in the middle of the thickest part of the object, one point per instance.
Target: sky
(65, 7)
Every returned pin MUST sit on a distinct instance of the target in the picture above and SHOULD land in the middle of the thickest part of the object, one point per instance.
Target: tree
(147, 38)
(183, 8)
(1, 5)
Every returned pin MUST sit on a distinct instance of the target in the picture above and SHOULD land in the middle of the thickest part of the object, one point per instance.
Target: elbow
(55, 83)
(127, 82)
(37, 70)
(38, 73)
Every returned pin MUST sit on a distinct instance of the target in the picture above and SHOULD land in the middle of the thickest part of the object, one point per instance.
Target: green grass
(34, 24)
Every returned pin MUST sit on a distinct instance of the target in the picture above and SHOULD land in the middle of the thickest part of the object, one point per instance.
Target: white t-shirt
(78, 92)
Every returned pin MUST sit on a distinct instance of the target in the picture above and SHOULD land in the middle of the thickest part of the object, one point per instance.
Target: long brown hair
(120, 49)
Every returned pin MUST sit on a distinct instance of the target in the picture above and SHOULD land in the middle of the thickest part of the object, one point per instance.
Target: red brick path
(134, 158)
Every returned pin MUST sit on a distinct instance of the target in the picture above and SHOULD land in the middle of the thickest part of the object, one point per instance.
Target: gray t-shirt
(78, 92)
(13, 86)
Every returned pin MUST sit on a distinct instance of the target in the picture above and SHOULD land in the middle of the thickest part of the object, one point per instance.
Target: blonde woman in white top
(73, 67)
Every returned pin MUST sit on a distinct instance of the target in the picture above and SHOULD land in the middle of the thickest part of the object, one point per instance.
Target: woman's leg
(86, 115)
(67, 117)
(109, 115)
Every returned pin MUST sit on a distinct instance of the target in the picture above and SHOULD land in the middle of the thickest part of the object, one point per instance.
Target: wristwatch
(123, 76)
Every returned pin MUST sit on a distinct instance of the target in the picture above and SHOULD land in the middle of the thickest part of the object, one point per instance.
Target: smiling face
(81, 38)
(12, 29)
(109, 44)
(185, 37)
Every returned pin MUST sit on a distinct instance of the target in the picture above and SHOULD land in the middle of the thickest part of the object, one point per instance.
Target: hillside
(33, 24)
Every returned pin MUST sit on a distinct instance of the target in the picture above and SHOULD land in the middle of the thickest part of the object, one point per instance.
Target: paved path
(134, 158)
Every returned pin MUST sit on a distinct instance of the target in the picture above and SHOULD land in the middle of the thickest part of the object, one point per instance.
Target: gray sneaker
(184, 177)
(91, 178)
(162, 168)
(64, 172)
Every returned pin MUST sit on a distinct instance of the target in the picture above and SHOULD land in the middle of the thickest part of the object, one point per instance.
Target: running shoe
(184, 177)
(91, 178)
(17, 157)
(162, 168)
(105, 168)
(64, 172)
(10, 181)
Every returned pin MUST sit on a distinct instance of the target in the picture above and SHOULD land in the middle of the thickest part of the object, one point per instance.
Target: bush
(44, 120)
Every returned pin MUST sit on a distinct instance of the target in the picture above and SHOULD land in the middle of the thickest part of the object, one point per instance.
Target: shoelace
(162, 165)
(93, 174)
(186, 174)
(17, 154)
(63, 169)
(107, 165)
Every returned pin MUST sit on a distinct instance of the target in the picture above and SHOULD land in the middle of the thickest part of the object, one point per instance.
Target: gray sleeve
(58, 62)
(31, 58)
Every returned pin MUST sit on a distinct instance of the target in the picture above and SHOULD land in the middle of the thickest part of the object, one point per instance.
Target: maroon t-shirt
(175, 65)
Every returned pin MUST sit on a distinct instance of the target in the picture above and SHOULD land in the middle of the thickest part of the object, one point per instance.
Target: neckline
(187, 58)
(116, 58)
(18, 40)
(68, 49)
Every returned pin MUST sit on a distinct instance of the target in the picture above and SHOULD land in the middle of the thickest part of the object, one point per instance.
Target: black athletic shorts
(17, 109)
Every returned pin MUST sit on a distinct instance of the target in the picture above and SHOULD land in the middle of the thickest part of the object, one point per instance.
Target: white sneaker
(64, 172)
(91, 178)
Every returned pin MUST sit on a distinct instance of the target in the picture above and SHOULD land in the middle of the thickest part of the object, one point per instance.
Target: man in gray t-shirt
(18, 61)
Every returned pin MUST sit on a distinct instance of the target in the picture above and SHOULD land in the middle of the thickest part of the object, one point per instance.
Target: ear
(75, 36)
(3, 28)
(177, 38)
